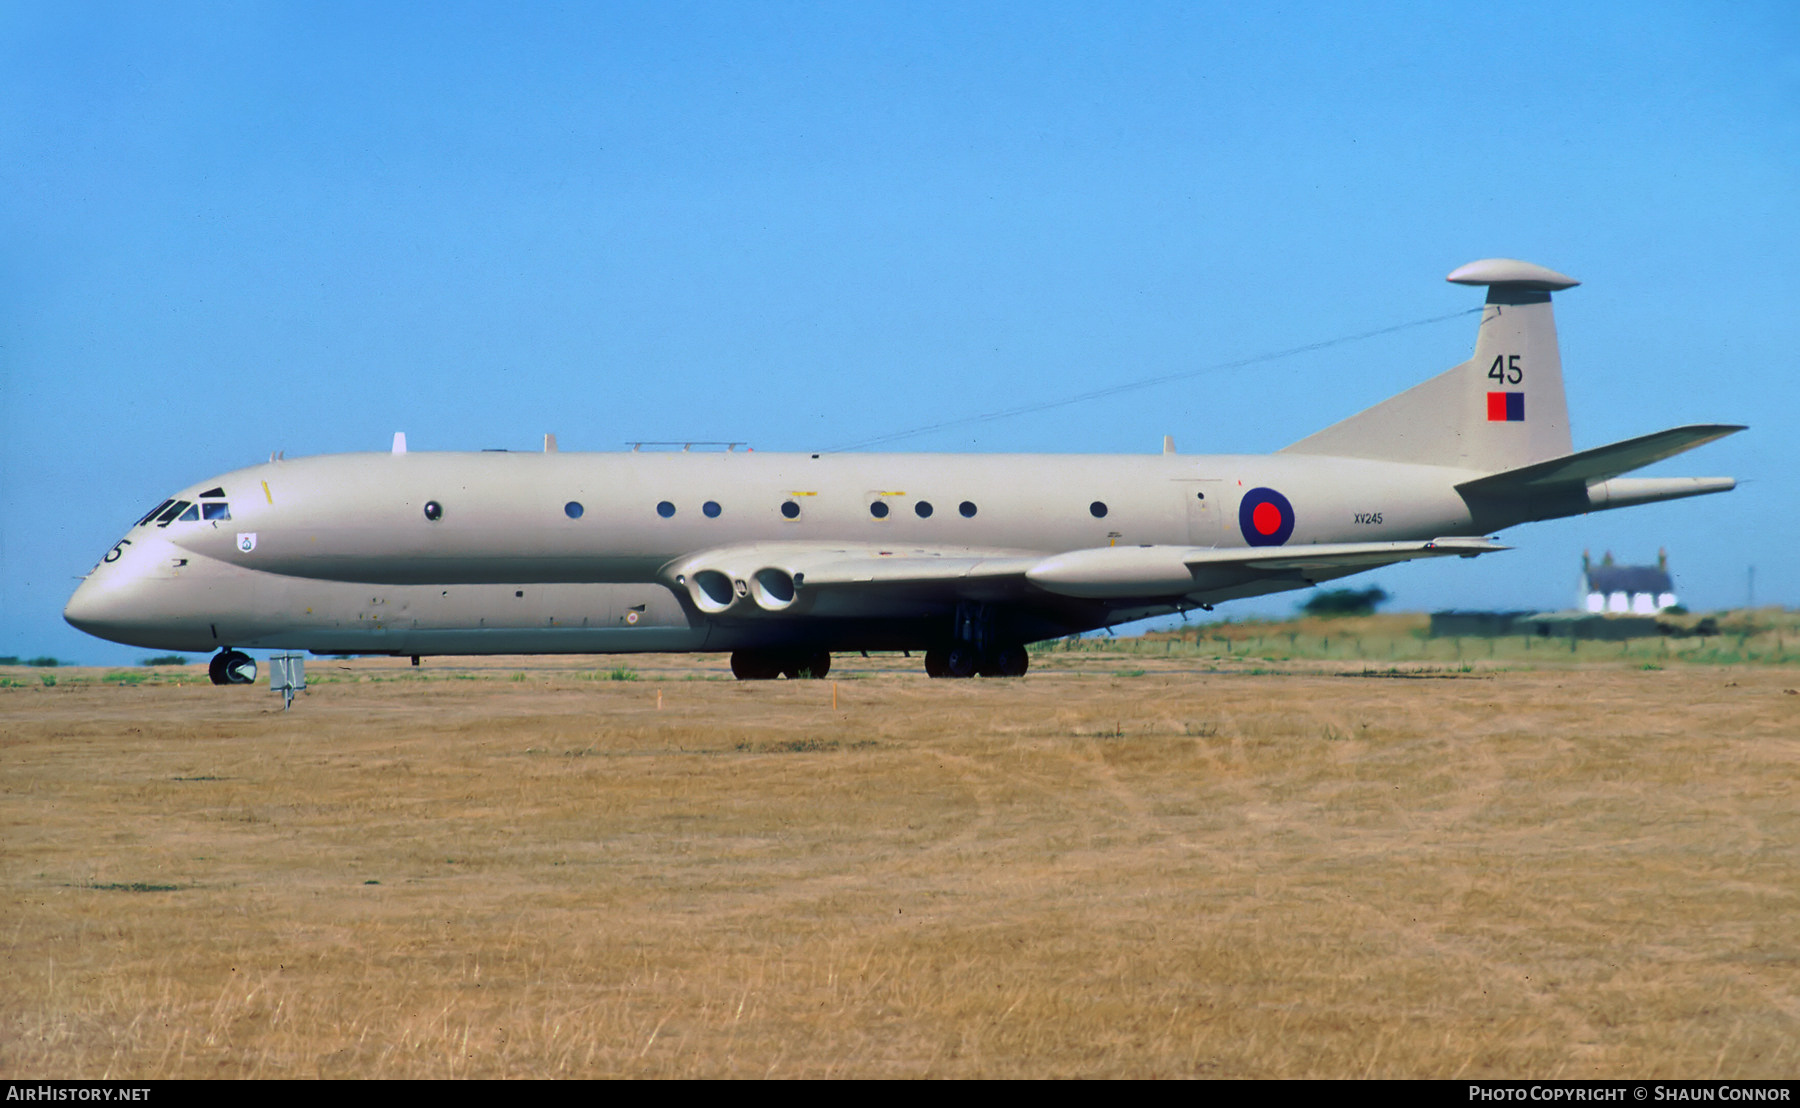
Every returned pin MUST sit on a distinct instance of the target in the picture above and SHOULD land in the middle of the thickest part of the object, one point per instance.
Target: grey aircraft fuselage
(345, 560)
(497, 552)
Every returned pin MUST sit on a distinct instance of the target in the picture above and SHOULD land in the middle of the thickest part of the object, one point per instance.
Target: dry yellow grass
(1589, 871)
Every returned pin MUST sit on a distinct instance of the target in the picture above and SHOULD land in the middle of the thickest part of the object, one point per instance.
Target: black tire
(814, 664)
(215, 669)
(961, 661)
(1008, 661)
(754, 665)
(934, 662)
(239, 668)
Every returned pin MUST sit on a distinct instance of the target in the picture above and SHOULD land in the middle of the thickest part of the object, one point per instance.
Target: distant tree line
(1345, 602)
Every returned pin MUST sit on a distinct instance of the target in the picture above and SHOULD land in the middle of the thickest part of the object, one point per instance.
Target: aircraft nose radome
(110, 606)
(90, 609)
(81, 612)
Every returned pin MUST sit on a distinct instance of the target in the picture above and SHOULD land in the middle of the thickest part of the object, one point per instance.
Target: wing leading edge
(775, 579)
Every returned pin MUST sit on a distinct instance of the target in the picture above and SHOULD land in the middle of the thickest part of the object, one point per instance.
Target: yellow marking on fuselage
(267, 495)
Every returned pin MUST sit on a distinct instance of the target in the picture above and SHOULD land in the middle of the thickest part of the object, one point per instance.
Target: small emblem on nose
(246, 541)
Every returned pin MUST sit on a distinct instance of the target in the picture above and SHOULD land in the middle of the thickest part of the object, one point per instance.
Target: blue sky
(234, 228)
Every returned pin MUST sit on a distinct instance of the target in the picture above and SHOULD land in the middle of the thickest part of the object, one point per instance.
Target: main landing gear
(964, 660)
(766, 665)
(976, 648)
(232, 667)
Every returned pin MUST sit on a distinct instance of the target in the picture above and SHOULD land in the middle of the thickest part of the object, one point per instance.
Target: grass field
(1231, 860)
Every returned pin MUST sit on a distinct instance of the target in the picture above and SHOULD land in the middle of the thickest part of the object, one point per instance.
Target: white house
(1643, 590)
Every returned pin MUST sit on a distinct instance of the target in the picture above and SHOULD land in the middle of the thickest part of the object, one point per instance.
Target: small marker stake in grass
(659, 700)
(834, 696)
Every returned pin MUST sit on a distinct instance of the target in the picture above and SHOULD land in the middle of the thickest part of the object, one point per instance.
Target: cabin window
(922, 509)
(790, 509)
(967, 508)
(711, 509)
(879, 509)
(173, 510)
(153, 513)
(665, 509)
(1098, 509)
(573, 509)
(434, 511)
(215, 511)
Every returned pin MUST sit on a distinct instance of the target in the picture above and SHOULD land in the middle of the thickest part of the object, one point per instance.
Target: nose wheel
(232, 667)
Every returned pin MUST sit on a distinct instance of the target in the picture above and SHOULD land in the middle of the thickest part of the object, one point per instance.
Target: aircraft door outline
(1200, 508)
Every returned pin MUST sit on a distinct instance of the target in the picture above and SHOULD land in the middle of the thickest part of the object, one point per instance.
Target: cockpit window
(168, 514)
(191, 515)
(210, 493)
(152, 513)
(221, 510)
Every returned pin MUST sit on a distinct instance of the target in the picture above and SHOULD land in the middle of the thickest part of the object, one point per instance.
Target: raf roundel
(1265, 517)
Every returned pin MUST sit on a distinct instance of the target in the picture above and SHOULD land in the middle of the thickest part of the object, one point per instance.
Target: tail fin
(1501, 409)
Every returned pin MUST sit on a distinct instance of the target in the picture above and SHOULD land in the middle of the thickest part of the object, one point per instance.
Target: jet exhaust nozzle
(712, 591)
(773, 589)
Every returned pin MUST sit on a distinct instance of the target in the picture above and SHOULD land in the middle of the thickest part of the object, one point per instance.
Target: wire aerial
(1145, 383)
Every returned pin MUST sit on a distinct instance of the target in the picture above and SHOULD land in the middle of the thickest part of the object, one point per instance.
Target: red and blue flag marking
(1265, 517)
(1506, 407)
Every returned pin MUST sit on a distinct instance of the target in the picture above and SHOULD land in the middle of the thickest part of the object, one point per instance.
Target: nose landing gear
(232, 667)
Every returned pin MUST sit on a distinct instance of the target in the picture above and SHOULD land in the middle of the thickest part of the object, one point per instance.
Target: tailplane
(1502, 409)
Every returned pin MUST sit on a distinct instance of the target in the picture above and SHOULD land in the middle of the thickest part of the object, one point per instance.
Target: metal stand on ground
(287, 676)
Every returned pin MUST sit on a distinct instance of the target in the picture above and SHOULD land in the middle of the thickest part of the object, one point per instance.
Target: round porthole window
(712, 509)
(967, 508)
(665, 509)
(434, 511)
(790, 509)
(1098, 508)
(923, 509)
(879, 509)
(572, 509)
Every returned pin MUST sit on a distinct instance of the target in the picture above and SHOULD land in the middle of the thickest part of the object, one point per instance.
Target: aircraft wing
(1152, 571)
(773, 578)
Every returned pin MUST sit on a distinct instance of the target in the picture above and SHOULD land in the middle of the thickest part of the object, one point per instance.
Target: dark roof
(1629, 579)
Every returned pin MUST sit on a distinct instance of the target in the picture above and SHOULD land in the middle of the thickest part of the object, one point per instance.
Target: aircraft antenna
(1148, 382)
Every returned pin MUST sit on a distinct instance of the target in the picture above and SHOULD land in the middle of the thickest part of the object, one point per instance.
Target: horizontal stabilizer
(1588, 467)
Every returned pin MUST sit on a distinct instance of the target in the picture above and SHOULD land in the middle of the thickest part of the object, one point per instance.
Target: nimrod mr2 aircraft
(782, 559)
